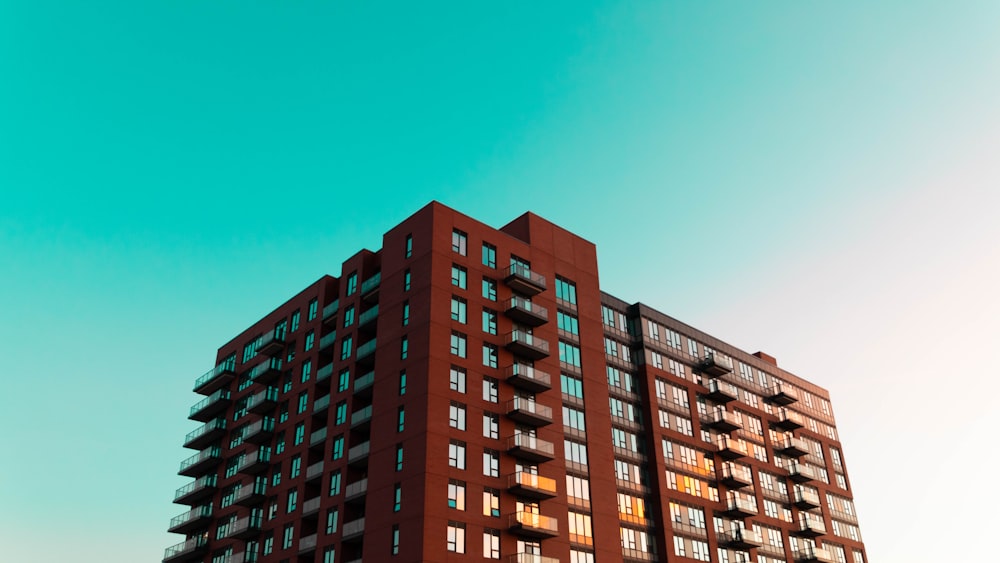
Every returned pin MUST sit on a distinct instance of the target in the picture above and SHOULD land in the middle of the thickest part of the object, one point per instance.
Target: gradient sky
(815, 179)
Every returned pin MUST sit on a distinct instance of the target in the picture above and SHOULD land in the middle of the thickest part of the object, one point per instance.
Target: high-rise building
(468, 393)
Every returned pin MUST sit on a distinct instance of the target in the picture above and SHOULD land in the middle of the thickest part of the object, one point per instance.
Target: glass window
(489, 255)
(400, 419)
(569, 354)
(286, 542)
(490, 355)
(456, 537)
(491, 425)
(491, 390)
(397, 497)
(491, 502)
(313, 306)
(456, 494)
(491, 463)
(490, 289)
(458, 309)
(395, 539)
(399, 457)
(307, 367)
(406, 280)
(300, 433)
(489, 321)
(293, 500)
(332, 516)
(352, 283)
(491, 544)
(343, 380)
(408, 247)
(406, 313)
(402, 383)
(456, 454)
(346, 347)
(349, 316)
(565, 290)
(295, 321)
(404, 348)
(341, 413)
(459, 242)
(303, 401)
(310, 338)
(335, 483)
(456, 415)
(568, 323)
(459, 277)
(338, 448)
(458, 344)
(456, 379)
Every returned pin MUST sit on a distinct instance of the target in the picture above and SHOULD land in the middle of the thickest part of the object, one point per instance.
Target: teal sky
(815, 179)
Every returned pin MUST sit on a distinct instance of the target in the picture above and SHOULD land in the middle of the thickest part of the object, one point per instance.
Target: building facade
(468, 393)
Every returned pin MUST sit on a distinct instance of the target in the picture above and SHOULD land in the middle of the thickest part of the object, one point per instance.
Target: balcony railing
(804, 498)
(532, 486)
(246, 527)
(781, 394)
(530, 558)
(197, 464)
(328, 340)
(528, 345)
(723, 420)
(330, 309)
(252, 494)
(789, 420)
(735, 476)
(522, 280)
(812, 554)
(185, 549)
(530, 448)
(264, 401)
(356, 489)
(364, 382)
(371, 283)
(722, 391)
(361, 417)
(205, 434)
(366, 349)
(525, 312)
(307, 544)
(215, 378)
(741, 538)
(810, 525)
(730, 448)
(205, 409)
(353, 529)
(311, 506)
(196, 490)
(714, 365)
(314, 471)
(792, 447)
(359, 453)
(528, 378)
(800, 472)
(259, 431)
(368, 316)
(272, 343)
(527, 411)
(529, 524)
(317, 437)
(266, 372)
(740, 507)
(324, 372)
(191, 520)
(255, 461)
(321, 404)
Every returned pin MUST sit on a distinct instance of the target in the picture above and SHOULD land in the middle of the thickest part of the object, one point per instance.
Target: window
(581, 528)
(458, 344)
(329, 554)
(459, 242)
(456, 537)
(343, 380)
(406, 280)
(307, 367)
(491, 425)
(456, 454)
(349, 316)
(565, 290)
(406, 313)
(459, 276)
(395, 539)
(491, 544)
(489, 321)
(295, 321)
(402, 383)
(293, 499)
(303, 401)
(296, 467)
(456, 494)
(346, 347)
(338, 448)
(397, 497)
(574, 419)
(491, 502)
(490, 289)
(456, 379)
(404, 348)
(400, 419)
(310, 338)
(490, 357)
(568, 323)
(340, 415)
(399, 457)
(313, 306)
(408, 253)
(268, 545)
(571, 386)
(335, 483)
(575, 452)
(489, 255)
(491, 390)
(332, 516)
(569, 354)
(456, 415)
(458, 309)
(300, 433)
(352, 283)
(491, 463)
(283, 412)
(288, 537)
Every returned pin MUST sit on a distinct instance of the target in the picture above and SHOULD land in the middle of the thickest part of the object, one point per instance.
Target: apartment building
(467, 393)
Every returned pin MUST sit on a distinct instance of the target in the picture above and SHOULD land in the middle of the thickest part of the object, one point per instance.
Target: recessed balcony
(189, 550)
(321, 404)
(735, 476)
(368, 317)
(260, 431)
(244, 528)
(527, 345)
(314, 471)
(527, 485)
(264, 401)
(199, 463)
(523, 311)
(330, 312)
(528, 412)
(791, 446)
(266, 372)
(723, 420)
(528, 378)
(354, 529)
(361, 419)
(370, 287)
(194, 519)
(789, 420)
(801, 473)
(324, 372)
(366, 352)
(272, 344)
(358, 455)
(207, 408)
(197, 490)
(722, 391)
(251, 495)
(363, 384)
(781, 394)
(255, 461)
(741, 538)
(317, 438)
(805, 499)
(311, 506)
(809, 526)
(205, 434)
(327, 340)
(307, 544)
(217, 377)
(530, 448)
(531, 525)
(740, 507)
(530, 558)
(812, 554)
(729, 448)
(714, 365)
(356, 490)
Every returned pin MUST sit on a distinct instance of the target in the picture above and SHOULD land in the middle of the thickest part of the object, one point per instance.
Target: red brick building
(467, 393)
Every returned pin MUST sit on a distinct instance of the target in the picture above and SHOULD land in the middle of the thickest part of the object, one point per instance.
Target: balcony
(260, 431)
(318, 437)
(531, 558)
(210, 406)
(801, 473)
(723, 421)
(792, 447)
(370, 287)
(789, 420)
(714, 365)
(353, 529)
(205, 434)
(526, 485)
(809, 526)
(255, 462)
(264, 401)
(367, 350)
(201, 488)
(525, 312)
(735, 476)
(362, 418)
(527, 345)
(324, 372)
(251, 495)
(194, 519)
(741, 538)
(266, 372)
(368, 317)
(363, 384)
(314, 471)
(189, 550)
(722, 391)
(311, 506)
(307, 544)
(523, 280)
(199, 463)
(805, 499)
(327, 340)
(529, 412)
(531, 525)
(812, 554)
(321, 404)
(530, 448)
(528, 378)
(356, 490)
(221, 375)
(740, 507)
(730, 448)
(781, 394)
(358, 455)
(244, 528)
(272, 344)
(330, 311)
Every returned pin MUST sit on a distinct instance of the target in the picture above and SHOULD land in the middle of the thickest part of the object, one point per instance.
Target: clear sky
(815, 179)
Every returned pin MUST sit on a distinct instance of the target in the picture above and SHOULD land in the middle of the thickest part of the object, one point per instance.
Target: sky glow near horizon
(816, 180)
